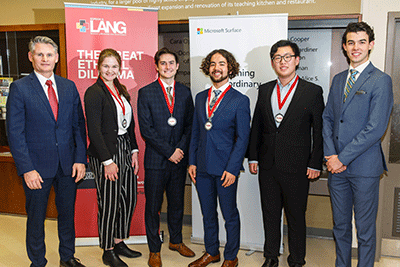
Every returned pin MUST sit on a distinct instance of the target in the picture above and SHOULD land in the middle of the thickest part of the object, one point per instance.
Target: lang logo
(82, 26)
(99, 26)
(199, 30)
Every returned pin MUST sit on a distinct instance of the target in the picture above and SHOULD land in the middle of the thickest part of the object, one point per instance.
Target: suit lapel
(227, 97)
(359, 83)
(61, 97)
(109, 98)
(40, 93)
(294, 102)
(268, 106)
(161, 97)
(202, 105)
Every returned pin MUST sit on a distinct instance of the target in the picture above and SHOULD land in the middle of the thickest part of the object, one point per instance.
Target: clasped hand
(334, 165)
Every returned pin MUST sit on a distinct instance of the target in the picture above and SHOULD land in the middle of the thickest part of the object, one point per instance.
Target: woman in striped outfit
(113, 157)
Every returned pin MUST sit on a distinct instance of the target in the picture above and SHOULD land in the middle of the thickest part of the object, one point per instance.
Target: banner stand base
(94, 241)
(247, 246)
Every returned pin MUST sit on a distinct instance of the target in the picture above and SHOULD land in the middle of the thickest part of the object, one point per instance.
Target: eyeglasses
(287, 58)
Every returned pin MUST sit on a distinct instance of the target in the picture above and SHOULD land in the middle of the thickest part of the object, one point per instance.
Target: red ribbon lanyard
(211, 111)
(278, 92)
(170, 105)
(119, 99)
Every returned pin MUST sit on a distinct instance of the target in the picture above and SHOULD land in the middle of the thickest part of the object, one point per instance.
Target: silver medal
(278, 118)
(208, 125)
(172, 121)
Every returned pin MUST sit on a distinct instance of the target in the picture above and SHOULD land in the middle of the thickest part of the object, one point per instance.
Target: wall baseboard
(390, 247)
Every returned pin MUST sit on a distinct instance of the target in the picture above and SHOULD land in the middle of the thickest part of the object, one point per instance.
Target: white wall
(374, 12)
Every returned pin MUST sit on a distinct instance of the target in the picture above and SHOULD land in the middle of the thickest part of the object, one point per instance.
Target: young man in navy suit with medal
(355, 119)
(165, 112)
(286, 149)
(47, 137)
(221, 127)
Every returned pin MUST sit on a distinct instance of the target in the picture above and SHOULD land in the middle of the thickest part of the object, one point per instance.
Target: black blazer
(162, 139)
(292, 147)
(102, 124)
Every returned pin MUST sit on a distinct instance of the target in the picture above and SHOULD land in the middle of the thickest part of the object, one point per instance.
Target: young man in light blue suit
(47, 137)
(220, 132)
(354, 120)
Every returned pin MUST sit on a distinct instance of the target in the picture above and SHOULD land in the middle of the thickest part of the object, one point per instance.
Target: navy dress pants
(172, 181)
(36, 206)
(210, 189)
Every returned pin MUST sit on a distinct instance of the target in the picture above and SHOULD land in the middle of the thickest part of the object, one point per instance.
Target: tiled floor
(320, 252)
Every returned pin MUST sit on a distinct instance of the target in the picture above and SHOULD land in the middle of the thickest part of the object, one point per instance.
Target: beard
(222, 78)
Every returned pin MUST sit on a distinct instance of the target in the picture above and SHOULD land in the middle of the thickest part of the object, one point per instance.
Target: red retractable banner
(133, 32)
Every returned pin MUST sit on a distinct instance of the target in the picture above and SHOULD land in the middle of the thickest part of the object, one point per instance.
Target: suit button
(56, 144)
(341, 121)
(337, 138)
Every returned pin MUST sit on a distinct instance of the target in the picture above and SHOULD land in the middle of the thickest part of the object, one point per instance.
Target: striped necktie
(169, 88)
(350, 82)
(216, 94)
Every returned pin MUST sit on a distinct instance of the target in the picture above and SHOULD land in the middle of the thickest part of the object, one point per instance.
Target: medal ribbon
(278, 92)
(211, 111)
(119, 99)
(172, 104)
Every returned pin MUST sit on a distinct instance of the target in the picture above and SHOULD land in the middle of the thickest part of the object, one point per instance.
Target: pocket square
(361, 92)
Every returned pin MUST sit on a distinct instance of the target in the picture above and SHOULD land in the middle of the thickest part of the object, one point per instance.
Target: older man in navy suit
(221, 128)
(47, 137)
(165, 112)
(355, 119)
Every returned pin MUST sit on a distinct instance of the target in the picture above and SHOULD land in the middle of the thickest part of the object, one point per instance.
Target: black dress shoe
(296, 265)
(122, 249)
(72, 262)
(110, 258)
(270, 263)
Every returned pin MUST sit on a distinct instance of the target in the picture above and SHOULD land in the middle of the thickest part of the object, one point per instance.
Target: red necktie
(52, 98)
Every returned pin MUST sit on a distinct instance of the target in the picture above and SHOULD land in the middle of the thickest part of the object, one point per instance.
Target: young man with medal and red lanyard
(221, 128)
(286, 148)
(165, 112)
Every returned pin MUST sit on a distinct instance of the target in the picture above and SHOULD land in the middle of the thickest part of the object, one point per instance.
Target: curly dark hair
(233, 66)
(357, 27)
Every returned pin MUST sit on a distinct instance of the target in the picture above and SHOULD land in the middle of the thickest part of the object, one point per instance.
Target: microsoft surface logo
(199, 30)
(82, 25)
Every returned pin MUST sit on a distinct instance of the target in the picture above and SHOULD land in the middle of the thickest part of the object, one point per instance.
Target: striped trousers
(116, 199)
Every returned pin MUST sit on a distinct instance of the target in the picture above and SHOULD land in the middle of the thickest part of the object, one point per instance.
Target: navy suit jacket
(353, 130)
(37, 141)
(293, 146)
(162, 139)
(223, 147)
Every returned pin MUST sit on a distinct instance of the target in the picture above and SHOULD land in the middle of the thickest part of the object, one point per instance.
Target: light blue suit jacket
(353, 130)
(37, 141)
(223, 147)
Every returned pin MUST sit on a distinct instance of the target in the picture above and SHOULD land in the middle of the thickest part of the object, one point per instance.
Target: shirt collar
(361, 67)
(222, 88)
(287, 85)
(43, 79)
(167, 85)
